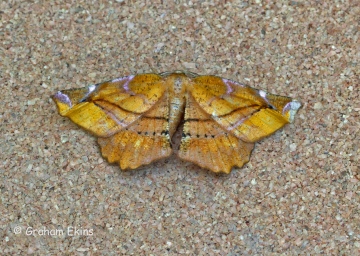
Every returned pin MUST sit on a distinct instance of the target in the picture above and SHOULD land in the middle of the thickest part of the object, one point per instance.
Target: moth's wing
(246, 113)
(109, 107)
(207, 144)
(223, 119)
(129, 115)
(144, 141)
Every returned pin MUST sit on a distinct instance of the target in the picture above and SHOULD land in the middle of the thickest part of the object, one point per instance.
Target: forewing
(109, 107)
(246, 113)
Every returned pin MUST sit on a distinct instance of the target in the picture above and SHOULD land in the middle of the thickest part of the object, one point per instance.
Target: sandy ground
(299, 194)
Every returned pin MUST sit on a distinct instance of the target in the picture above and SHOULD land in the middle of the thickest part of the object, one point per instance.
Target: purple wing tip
(61, 97)
(292, 107)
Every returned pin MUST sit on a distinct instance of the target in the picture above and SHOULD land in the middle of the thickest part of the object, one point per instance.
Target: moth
(135, 118)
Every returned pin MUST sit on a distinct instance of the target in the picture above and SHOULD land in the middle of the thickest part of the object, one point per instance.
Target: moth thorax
(178, 85)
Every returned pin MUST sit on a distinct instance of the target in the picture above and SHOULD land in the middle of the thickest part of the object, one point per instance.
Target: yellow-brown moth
(135, 118)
